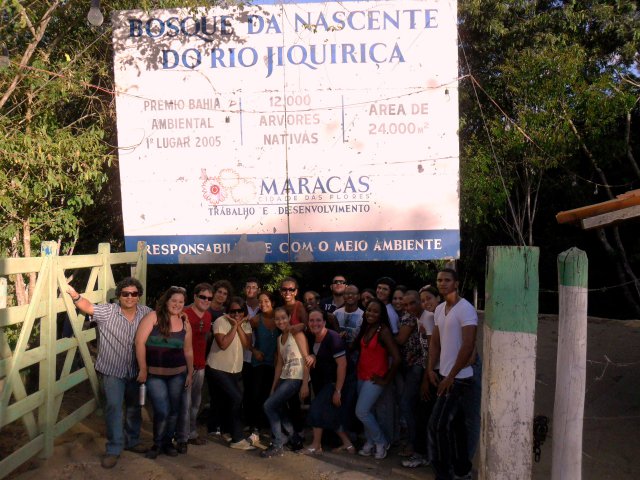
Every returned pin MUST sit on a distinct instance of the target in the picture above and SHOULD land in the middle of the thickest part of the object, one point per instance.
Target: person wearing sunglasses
(165, 359)
(297, 313)
(232, 334)
(263, 352)
(336, 300)
(200, 320)
(116, 365)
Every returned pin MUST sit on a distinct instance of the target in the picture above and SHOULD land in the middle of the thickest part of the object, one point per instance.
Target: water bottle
(143, 393)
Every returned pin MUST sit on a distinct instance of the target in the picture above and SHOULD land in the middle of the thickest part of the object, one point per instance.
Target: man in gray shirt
(116, 364)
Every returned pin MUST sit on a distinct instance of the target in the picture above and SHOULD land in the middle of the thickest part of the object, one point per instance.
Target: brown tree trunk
(21, 288)
(26, 245)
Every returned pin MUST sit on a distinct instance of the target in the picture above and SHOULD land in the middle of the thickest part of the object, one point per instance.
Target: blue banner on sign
(300, 247)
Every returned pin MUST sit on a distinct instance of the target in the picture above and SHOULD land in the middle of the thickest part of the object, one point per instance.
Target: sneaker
(215, 433)
(367, 449)
(109, 461)
(415, 461)
(381, 451)
(272, 451)
(153, 452)
(138, 448)
(181, 447)
(226, 437)
(406, 451)
(242, 445)
(198, 441)
(462, 477)
(170, 451)
(253, 439)
(295, 444)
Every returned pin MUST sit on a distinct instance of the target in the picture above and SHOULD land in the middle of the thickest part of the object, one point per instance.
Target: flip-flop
(345, 448)
(311, 451)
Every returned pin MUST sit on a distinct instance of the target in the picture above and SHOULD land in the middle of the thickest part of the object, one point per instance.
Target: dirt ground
(611, 441)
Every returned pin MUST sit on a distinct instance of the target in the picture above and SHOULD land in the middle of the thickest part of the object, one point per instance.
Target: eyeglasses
(129, 294)
(235, 311)
(339, 282)
(288, 289)
(204, 297)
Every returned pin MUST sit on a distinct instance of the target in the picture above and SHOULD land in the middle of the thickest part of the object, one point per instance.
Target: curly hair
(129, 282)
(383, 321)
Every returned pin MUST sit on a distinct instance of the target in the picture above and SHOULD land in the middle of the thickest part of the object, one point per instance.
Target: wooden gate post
(141, 269)
(48, 333)
(104, 283)
(3, 292)
(571, 368)
(509, 364)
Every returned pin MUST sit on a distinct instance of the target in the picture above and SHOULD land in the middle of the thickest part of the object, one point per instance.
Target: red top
(295, 315)
(199, 329)
(374, 359)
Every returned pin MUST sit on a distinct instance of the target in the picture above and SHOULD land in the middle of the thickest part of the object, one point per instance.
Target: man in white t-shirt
(452, 344)
(349, 317)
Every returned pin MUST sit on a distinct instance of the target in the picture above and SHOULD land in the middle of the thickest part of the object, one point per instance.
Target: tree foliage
(550, 115)
(549, 121)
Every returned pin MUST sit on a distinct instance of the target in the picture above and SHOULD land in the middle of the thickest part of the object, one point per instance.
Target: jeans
(368, 394)
(471, 408)
(447, 432)
(229, 385)
(165, 393)
(260, 389)
(116, 391)
(191, 399)
(385, 411)
(409, 399)
(274, 408)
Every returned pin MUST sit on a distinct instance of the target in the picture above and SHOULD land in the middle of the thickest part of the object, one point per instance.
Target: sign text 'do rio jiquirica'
(289, 131)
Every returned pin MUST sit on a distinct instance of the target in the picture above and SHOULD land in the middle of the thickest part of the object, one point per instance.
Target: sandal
(345, 448)
(311, 451)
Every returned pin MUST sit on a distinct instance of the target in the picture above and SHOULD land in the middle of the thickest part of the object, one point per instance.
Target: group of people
(401, 361)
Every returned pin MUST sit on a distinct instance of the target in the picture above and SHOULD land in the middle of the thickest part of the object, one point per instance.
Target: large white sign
(307, 131)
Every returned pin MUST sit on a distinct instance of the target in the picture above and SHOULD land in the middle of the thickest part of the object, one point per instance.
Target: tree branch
(26, 57)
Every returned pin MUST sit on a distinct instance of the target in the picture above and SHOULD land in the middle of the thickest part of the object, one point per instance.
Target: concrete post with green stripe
(568, 410)
(509, 364)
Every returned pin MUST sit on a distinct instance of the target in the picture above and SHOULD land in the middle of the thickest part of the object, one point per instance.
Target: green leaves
(552, 74)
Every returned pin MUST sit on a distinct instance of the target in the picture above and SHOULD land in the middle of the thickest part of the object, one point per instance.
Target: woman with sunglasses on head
(165, 360)
(232, 334)
(291, 377)
(265, 334)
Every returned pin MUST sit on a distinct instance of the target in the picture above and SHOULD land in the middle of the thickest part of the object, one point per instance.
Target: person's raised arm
(142, 334)
(81, 303)
(224, 339)
(245, 338)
